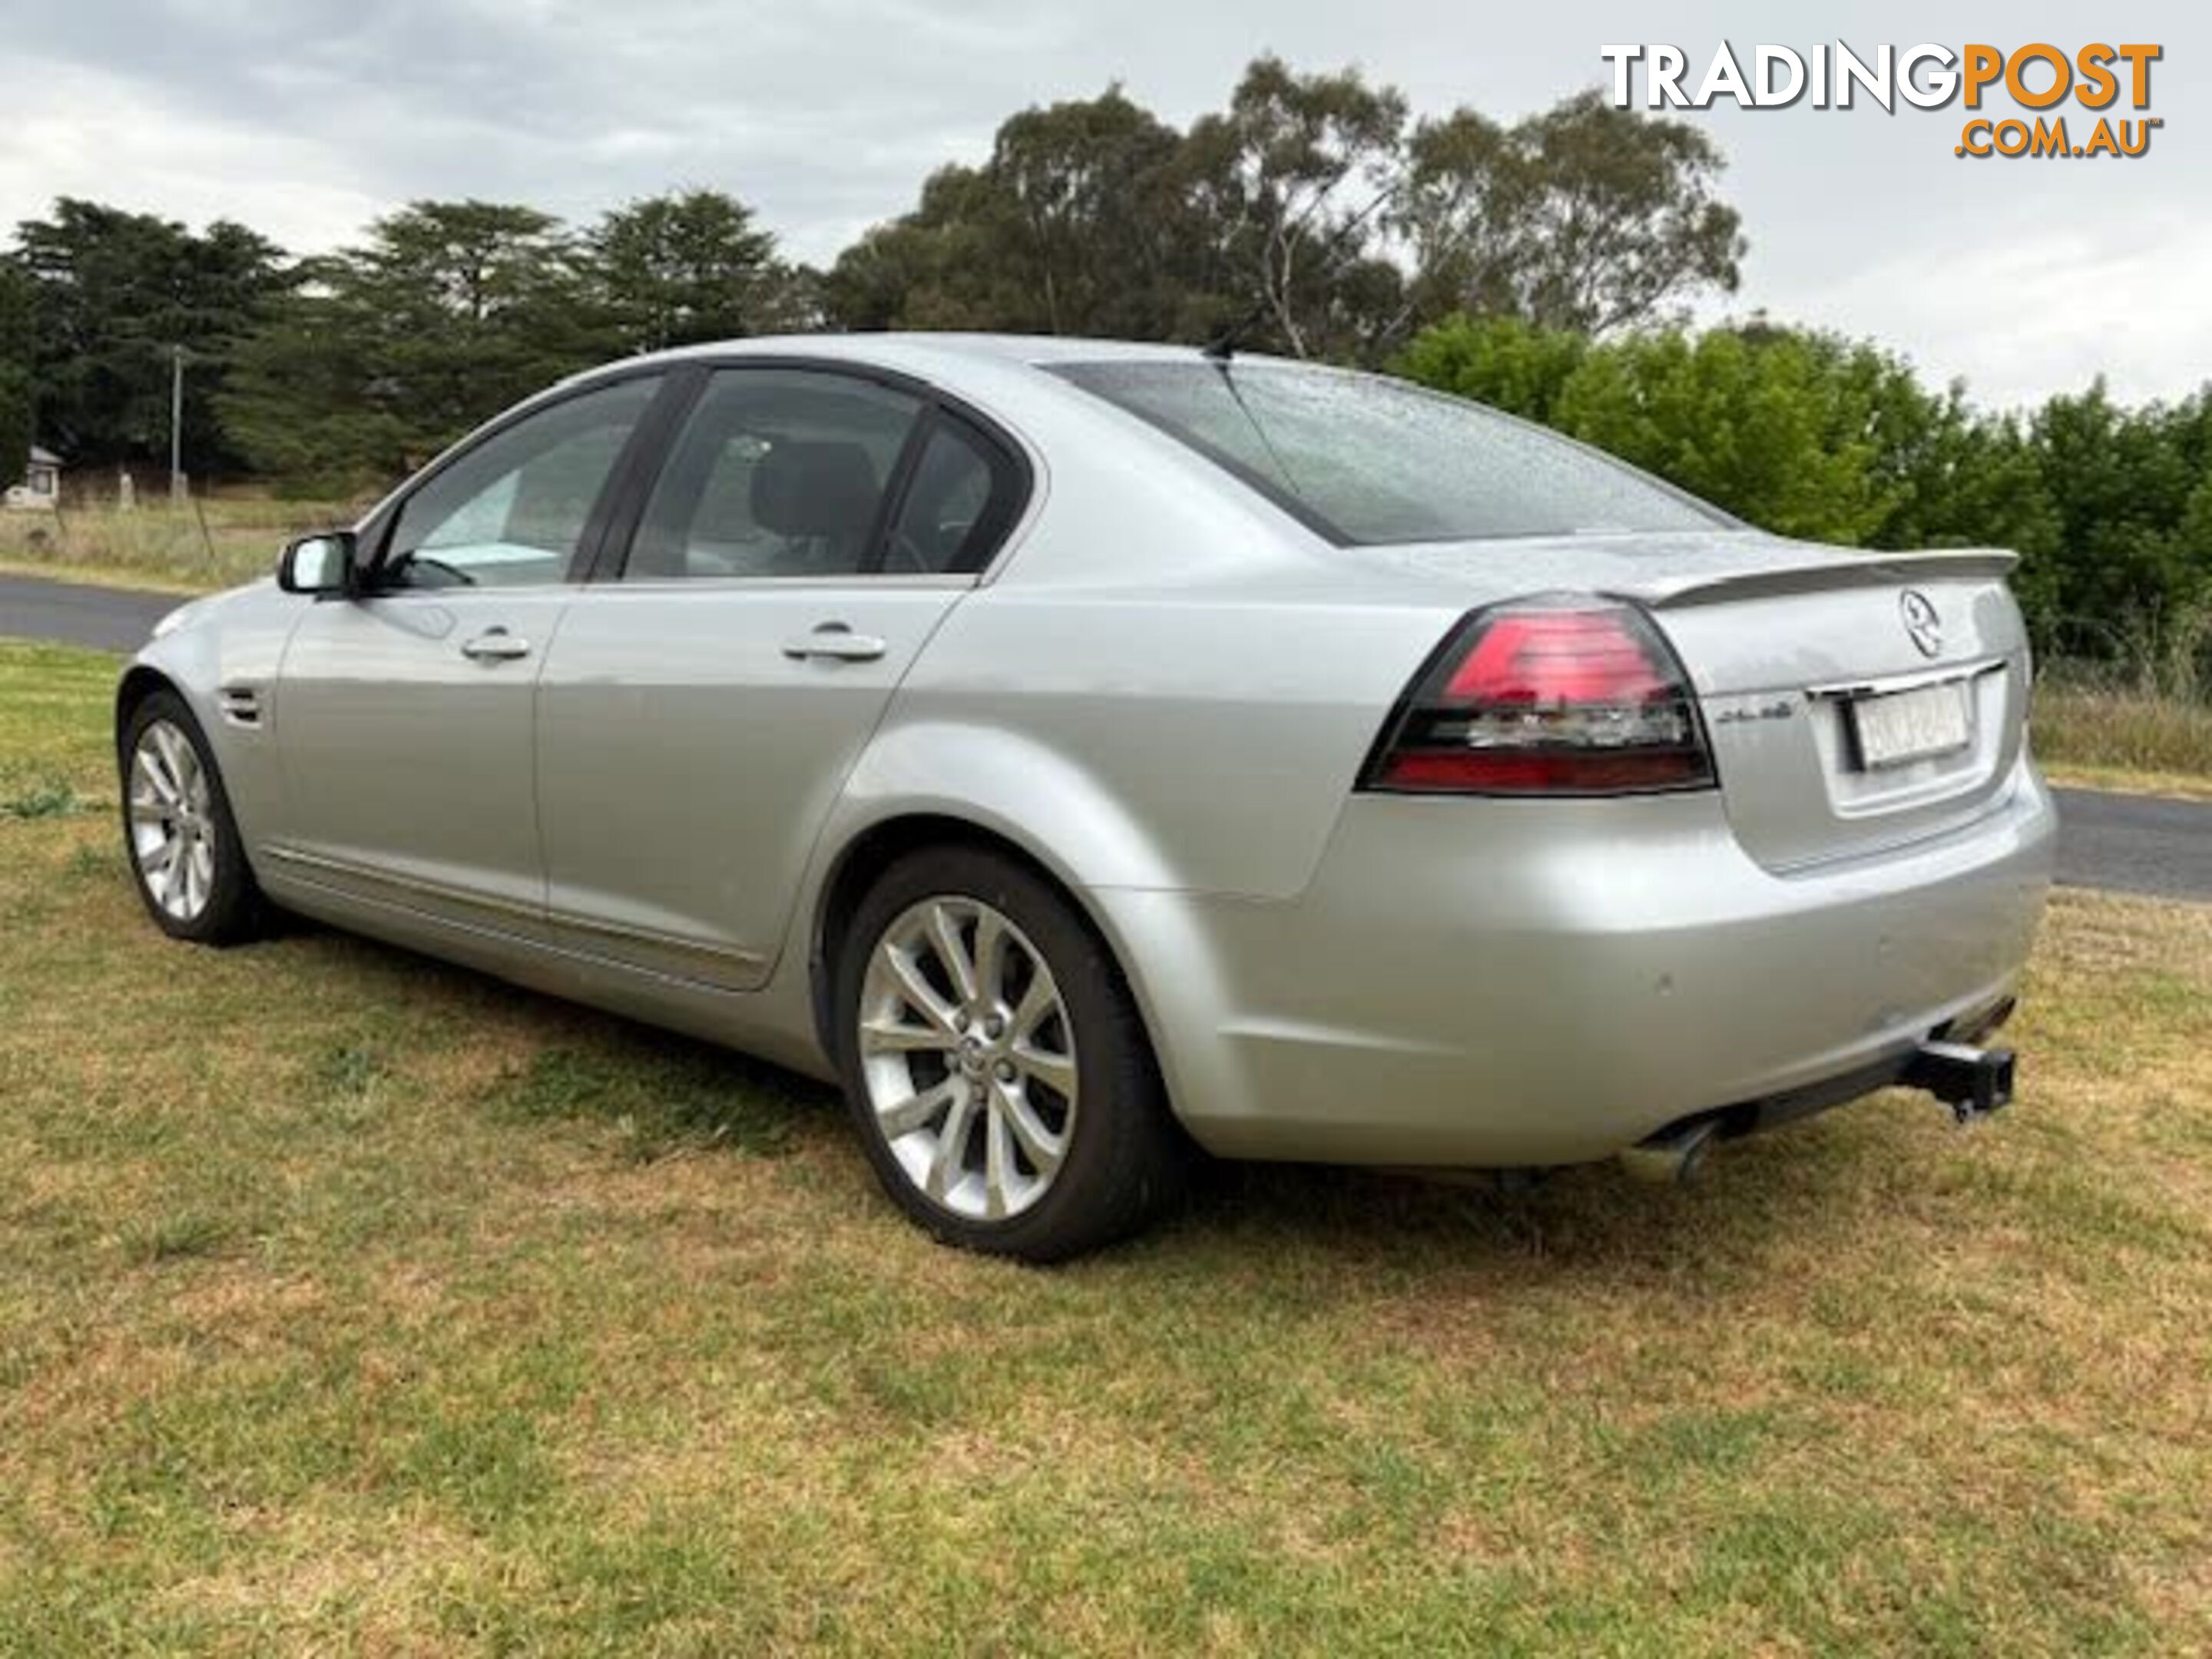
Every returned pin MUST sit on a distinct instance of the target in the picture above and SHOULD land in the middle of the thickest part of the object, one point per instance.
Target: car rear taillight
(1548, 697)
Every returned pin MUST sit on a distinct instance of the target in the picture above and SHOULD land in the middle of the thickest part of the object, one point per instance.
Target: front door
(404, 717)
(700, 711)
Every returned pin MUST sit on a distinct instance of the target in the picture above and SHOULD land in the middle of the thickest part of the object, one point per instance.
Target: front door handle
(837, 642)
(496, 644)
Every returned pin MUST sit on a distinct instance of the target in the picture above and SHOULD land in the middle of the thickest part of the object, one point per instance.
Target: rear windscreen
(1365, 460)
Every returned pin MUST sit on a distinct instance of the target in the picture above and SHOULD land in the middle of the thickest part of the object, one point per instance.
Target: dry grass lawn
(218, 544)
(2125, 740)
(353, 1304)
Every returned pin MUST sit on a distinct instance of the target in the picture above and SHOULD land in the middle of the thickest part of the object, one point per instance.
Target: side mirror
(318, 564)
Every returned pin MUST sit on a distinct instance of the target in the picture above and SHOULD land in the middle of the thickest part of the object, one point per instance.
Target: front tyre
(994, 1063)
(183, 841)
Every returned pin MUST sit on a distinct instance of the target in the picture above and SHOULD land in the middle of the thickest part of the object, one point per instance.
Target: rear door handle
(496, 644)
(837, 642)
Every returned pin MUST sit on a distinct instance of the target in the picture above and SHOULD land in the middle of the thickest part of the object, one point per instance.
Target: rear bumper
(1912, 1068)
(1534, 983)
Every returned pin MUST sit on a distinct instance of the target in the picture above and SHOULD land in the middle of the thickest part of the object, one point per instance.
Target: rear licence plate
(1901, 727)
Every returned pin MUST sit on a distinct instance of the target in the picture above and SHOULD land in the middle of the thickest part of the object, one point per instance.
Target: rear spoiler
(1822, 570)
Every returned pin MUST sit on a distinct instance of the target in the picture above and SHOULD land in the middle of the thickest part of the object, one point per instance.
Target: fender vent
(241, 705)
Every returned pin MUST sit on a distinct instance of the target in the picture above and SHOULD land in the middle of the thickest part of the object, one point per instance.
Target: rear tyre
(994, 1064)
(186, 854)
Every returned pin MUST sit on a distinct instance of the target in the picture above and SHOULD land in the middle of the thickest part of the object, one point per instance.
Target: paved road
(2134, 844)
(2127, 842)
(105, 618)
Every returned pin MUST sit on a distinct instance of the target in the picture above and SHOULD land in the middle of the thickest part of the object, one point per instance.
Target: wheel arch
(241, 756)
(864, 858)
(141, 681)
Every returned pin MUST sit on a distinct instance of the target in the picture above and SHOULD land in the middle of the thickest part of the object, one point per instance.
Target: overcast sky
(305, 118)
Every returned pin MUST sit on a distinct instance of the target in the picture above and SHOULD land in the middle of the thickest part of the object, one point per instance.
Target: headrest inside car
(815, 490)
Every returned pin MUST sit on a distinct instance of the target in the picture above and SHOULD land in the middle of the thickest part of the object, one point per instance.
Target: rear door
(706, 696)
(404, 717)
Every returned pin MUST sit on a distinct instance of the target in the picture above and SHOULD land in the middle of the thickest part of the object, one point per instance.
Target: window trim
(894, 488)
(377, 531)
(1013, 469)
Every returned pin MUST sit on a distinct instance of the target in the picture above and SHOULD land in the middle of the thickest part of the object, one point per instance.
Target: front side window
(513, 511)
(1368, 461)
(779, 472)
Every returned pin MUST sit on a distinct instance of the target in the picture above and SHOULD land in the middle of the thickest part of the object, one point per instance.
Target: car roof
(985, 369)
(1038, 349)
(927, 354)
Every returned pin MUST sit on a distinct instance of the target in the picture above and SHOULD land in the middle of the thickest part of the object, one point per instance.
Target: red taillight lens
(1548, 697)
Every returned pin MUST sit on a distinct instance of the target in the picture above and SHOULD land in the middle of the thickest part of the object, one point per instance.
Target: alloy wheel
(967, 1057)
(173, 822)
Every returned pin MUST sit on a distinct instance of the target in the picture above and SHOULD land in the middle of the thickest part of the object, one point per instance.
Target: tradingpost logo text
(2108, 86)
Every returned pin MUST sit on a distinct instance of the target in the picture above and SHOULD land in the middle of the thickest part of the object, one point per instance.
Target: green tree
(681, 270)
(1097, 236)
(1094, 217)
(938, 267)
(1758, 426)
(1960, 478)
(1811, 435)
(1460, 210)
(116, 293)
(2128, 490)
(1305, 215)
(451, 312)
(18, 302)
(311, 401)
(1294, 180)
(1585, 217)
(1077, 224)
(1500, 361)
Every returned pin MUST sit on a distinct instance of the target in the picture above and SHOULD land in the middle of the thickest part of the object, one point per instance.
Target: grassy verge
(2115, 738)
(352, 1303)
(219, 543)
(2125, 780)
(54, 753)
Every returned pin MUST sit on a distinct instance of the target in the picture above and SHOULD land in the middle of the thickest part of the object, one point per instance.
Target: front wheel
(186, 854)
(994, 1064)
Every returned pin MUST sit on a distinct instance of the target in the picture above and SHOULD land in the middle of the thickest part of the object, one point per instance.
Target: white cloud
(308, 118)
(76, 131)
(2048, 308)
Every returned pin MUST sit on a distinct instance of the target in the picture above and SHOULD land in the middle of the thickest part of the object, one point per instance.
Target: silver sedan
(1079, 751)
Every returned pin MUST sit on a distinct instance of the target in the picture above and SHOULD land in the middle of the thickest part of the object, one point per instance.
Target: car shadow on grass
(1588, 1218)
(561, 1061)
(659, 1093)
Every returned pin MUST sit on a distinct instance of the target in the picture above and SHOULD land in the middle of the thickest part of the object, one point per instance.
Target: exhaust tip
(1673, 1157)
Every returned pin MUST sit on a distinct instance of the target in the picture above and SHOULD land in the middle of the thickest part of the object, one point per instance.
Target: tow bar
(1972, 1082)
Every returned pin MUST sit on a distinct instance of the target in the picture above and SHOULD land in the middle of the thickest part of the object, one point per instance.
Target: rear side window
(958, 505)
(1369, 461)
(779, 472)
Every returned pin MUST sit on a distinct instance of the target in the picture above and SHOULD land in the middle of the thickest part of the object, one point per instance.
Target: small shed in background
(41, 488)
